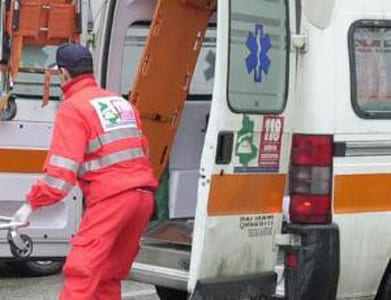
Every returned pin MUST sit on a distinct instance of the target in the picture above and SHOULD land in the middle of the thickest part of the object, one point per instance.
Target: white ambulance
(289, 100)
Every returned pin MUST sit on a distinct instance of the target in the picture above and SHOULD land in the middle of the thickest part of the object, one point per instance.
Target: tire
(31, 268)
(171, 294)
(385, 288)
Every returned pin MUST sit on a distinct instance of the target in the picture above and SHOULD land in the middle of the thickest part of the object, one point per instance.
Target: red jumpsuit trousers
(104, 248)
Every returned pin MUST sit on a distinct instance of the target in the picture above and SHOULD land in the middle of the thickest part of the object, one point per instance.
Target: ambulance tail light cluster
(310, 179)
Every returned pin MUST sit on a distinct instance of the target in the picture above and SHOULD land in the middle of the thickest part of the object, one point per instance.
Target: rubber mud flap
(317, 271)
(253, 286)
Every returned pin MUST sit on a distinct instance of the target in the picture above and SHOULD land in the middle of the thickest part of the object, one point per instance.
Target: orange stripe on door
(362, 193)
(22, 160)
(246, 194)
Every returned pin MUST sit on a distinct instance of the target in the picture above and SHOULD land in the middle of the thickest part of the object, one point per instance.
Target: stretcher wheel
(22, 253)
(10, 111)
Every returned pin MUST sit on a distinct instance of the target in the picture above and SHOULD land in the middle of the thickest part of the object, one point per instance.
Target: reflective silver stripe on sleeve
(112, 136)
(63, 162)
(57, 183)
(111, 159)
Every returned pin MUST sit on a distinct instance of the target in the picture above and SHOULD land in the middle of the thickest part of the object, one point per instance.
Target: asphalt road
(14, 287)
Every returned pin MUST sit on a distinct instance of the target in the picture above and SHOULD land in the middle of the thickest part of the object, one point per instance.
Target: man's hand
(23, 214)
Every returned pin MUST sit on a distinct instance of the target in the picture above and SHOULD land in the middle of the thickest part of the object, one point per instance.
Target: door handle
(224, 147)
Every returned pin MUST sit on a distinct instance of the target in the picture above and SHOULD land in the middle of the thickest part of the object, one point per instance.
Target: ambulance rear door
(245, 158)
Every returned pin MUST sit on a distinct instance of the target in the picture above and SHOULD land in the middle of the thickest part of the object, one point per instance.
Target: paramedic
(98, 143)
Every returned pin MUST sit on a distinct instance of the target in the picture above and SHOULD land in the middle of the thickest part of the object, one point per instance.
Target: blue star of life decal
(259, 45)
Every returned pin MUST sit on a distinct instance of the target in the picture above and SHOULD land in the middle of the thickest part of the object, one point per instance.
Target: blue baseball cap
(75, 58)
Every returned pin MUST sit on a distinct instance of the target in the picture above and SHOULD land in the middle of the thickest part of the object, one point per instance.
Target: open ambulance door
(244, 164)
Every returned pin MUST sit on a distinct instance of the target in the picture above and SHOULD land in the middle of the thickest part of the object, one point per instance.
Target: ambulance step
(161, 276)
(165, 255)
(174, 231)
(162, 264)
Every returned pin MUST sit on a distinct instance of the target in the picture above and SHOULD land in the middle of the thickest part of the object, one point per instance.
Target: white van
(194, 250)
(289, 100)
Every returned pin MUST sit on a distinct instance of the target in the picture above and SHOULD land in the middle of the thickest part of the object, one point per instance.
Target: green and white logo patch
(114, 113)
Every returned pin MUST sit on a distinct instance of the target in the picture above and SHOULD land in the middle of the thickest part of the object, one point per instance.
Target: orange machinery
(34, 22)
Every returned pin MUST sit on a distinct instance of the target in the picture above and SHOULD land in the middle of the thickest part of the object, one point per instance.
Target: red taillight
(310, 179)
(310, 209)
(291, 259)
(312, 150)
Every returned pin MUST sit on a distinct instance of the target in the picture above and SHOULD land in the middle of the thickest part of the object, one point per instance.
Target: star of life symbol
(259, 45)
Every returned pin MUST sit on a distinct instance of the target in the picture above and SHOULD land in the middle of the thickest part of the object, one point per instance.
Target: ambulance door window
(370, 53)
(202, 82)
(264, 25)
(135, 39)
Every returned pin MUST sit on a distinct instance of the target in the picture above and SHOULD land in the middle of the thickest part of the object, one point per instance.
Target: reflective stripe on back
(111, 159)
(112, 136)
(63, 162)
(58, 184)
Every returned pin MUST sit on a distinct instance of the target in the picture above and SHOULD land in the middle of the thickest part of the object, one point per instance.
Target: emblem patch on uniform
(114, 113)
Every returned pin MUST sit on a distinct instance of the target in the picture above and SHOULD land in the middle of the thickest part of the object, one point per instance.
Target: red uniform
(98, 143)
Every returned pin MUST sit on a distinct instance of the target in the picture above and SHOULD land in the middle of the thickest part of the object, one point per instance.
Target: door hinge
(287, 240)
(300, 42)
(91, 40)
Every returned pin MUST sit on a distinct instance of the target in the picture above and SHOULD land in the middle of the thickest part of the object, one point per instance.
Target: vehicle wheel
(170, 294)
(37, 268)
(385, 289)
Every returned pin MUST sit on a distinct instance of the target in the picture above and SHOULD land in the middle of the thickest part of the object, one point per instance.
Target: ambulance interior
(185, 157)
(167, 243)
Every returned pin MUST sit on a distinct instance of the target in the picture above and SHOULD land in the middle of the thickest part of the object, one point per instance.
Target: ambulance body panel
(337, 75)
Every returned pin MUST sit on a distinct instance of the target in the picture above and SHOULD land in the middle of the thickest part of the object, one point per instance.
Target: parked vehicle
(289, 100)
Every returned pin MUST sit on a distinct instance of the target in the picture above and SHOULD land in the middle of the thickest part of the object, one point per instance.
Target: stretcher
(21, 245)
(173, 44)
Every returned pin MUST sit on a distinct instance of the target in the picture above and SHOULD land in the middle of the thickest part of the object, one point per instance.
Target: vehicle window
(202, 81)
(258, 56)
(370, 44)
(31, 84)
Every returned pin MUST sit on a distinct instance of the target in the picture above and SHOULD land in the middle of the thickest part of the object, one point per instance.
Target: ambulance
(270, 131)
